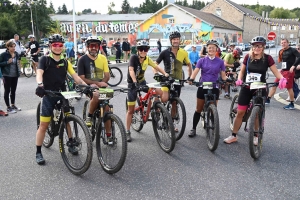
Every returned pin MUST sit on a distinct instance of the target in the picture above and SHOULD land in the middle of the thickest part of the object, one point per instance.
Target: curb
(283, 101)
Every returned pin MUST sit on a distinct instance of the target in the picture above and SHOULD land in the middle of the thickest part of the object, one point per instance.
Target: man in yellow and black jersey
(93, 69)
(173, 59)
(51, 75)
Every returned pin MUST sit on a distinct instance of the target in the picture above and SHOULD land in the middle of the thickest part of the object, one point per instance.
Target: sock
(196, 119)
(269, 98)
(90, 115)
(292, 102)
(70, 139)
(234, 134)
(38, 149)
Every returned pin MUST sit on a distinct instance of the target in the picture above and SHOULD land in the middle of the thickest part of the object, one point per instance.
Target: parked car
(153, 52)
(188, 48)
(2, 44)
(246, 47)
(292, 44)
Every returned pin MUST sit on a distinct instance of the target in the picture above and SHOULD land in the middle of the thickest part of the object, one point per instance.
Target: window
(283, 28)
(171, 20)
(291, 28)
(218, 12)
(291, 35)
(274, 28)
(282, 36)
(216, 34)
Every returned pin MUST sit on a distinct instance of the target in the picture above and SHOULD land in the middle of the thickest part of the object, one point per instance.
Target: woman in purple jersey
(211, 66)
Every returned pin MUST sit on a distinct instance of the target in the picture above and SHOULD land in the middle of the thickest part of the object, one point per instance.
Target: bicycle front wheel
(111, 147)
(163, 128)
(116, 76)
(233, 111)
(212, 128)
(178, 114)
(28, 70)
(256, 130)
(77, 153)
(137, 117)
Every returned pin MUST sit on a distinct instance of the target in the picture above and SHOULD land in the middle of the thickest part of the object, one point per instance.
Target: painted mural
(160, 23)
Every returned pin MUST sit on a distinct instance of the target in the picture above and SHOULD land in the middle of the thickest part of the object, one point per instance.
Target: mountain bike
(28, 67)
(175, 105)
(255, 115)
(71, 85)
(161, 119)
(111, 147)
(209, 116)
(65, 124)
(116, 76)
(231, 86)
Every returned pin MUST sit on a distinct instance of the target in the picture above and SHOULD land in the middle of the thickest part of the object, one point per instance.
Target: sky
(101, 5)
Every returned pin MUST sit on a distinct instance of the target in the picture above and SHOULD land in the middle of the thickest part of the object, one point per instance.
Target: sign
(271, 36)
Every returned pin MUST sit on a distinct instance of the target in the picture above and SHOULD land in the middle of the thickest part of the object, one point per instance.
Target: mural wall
(173, 19)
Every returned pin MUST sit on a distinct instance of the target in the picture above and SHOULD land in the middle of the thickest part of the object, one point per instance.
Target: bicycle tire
(233, 111)
(212, 123)
(28, 70)
(161, 121)
(85, 113)
(116, 76)
(180, 121)
(202, 118)
(103, 147)
(255, 151)
(84, 155)
(137, 117)
(49, 138)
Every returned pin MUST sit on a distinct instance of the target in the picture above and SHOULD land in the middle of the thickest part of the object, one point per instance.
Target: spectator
(194, 57)
(11, 72)
(117, 46)
(18, 47)
(159, 45)
(70, 49)
(126, 49)
(2, 112)
(104, 47)
(34, 49)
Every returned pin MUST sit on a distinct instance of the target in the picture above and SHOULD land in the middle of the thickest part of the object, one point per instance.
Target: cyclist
(136, 77)
(69, 45)
(34, 49)
(290, 59)
(256, 63)
(231, 60)
(51, 75)
(93, 69)
(211, 66)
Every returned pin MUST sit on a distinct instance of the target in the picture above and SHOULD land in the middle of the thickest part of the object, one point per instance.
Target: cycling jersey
(92, 69)
(229, 58)
(210, 69)
(139, 68)
(173, 64)
(55, 72)
(288, 57)
(33, 46)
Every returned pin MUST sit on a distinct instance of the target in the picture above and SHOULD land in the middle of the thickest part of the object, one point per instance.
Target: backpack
(48, 60)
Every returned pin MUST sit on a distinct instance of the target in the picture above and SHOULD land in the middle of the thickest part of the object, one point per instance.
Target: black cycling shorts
(35, 58)
(132, 94)
(47, 107)
(246, 95)
(201, 92)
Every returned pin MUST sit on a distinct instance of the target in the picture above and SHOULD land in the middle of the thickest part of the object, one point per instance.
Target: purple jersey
(210, 69)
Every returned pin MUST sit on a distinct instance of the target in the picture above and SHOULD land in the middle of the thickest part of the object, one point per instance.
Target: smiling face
(57, 47)
(284, 44)
(211, 50)
(93, 48)
(258, 48)
(175, 42)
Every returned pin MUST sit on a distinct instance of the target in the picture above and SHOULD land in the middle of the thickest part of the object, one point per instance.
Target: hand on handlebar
(238, 82)
(40, 91)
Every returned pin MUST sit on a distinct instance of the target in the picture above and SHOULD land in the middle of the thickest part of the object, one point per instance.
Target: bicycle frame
(148, 97)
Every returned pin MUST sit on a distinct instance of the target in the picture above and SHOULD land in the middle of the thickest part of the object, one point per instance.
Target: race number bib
(32, 46)
(283, 65)
(253, 77)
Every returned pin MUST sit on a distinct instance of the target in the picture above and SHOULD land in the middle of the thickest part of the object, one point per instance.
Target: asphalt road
(191, 171)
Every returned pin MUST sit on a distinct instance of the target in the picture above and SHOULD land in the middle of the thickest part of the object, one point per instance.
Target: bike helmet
(83, 38)
(30, 36)
(232, 44)
(258, 39)
(92, 39)
(142, 43)
(56, 38)
(174, 34)
(103, 41)
(236, 53)
(212, 42)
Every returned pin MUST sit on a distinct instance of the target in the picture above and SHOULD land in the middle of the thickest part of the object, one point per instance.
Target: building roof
(99, 17)
(294, 22)
(243, 9)
(212, 19)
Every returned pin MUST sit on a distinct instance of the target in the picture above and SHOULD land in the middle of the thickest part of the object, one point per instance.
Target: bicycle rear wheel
(179, 117)
(77, 155)
(49, 138)
(163, 128)
(111, 149)
(212, 128)
(255, 120)
(116, 76)
(28, 70)
(233, 111)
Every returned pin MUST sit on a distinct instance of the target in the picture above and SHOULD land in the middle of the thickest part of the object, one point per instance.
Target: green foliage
(125, 7)
(86, 11)
(111, 8)
(282, 13)
(64, 9)
(150, 6)
(198, 5)
(7, 26)
(274, 12)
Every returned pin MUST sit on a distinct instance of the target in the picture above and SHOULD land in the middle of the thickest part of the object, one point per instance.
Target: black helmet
(174, 34)
(142, 43)
(104, 41)
(258, 39)
(56, 38)
(212, 42)
(92, 39)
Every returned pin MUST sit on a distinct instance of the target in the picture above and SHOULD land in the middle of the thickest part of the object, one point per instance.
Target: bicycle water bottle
(56, 115)
(92, 70)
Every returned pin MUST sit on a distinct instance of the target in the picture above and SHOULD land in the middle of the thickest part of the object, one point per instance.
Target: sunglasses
(257, 46)
(57, 44)
(298, 48)
(145, 49)
(94, 46)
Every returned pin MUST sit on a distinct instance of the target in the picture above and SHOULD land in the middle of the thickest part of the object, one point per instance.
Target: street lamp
(28, 3)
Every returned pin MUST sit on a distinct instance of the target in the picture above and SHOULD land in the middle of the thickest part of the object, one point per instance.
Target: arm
(297, 61)
(38, 51)
(223, 75)
(189, 66)
(162, 71)
(276, 72)
(132, 74)
(201, 53)
(242, 72)
(194, 74)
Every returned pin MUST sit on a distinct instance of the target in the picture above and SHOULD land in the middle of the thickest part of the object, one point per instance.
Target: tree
(86, 11)
(58, 10)
(125, 7)
(282, 13)
(51, 8)
(150, 6)
(111, 8)
(7, 26)
(64, 9)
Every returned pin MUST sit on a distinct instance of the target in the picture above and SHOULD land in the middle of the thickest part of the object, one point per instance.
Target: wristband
(41, 83)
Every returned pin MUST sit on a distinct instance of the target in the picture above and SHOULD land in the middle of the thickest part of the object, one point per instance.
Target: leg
(94, 103)
(14, 83)
(7, 87)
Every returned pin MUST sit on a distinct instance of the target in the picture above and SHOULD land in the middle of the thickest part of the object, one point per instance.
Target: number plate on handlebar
(105, 93)
(154, 85)
(70, 94)
(176, 82)
(207, 85)
(257, 85)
